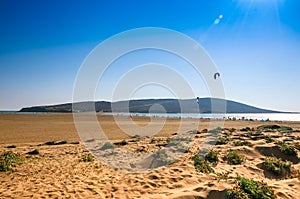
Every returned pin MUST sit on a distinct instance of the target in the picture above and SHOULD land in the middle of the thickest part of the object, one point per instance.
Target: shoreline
(283, 116)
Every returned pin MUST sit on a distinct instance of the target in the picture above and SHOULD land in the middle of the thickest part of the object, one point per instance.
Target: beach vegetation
(250, 189)
(277, 166)
(288, 149)
(222, 140)
(242, 143)
(202, 165)
(87, 158)
(234, 158)
(8, 160)
(285, 129)
(268, 128)
(269, 139)
(212, 156)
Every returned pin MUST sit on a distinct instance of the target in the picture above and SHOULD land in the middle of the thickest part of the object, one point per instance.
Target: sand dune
(59, 171)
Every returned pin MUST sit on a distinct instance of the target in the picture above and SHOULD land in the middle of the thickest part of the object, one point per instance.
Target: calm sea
(247, 116)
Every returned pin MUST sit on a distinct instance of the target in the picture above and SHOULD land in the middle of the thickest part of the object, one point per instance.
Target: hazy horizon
(254, 44)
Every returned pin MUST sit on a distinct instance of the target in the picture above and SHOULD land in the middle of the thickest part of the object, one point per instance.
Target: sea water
(246, 116)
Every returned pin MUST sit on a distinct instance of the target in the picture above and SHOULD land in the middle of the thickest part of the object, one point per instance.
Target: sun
(257, 3)
(261, 6)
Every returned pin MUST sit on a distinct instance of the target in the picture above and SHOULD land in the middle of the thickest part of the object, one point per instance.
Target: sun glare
(259, 2)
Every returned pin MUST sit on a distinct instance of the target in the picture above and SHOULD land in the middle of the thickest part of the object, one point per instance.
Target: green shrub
(222, 140)
(285, 129)
(268, 128)
(277, 166)
(201, 165)
(87, 158)
(250, 189)
(212, 156)
(287, 149)
(269, 139)
(232, 157)
(9, 159)
(242, 143)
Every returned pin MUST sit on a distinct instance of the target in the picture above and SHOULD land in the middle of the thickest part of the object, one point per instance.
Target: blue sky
(255, 45)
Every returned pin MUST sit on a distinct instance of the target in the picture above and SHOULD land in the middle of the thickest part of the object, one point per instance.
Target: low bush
(212, 156)
(201, 165)
(9, 159)
(222, 140)
(242, 143)
(285, 129)
(269, 139)
(268, 128)
(287, 149)
(87, 158)
(277, 166)
(232, 157)
(250, 189)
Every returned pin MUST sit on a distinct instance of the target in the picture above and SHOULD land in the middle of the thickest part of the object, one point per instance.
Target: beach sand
(59, 172)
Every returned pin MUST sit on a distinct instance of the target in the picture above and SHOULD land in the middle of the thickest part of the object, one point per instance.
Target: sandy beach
(66, 169)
